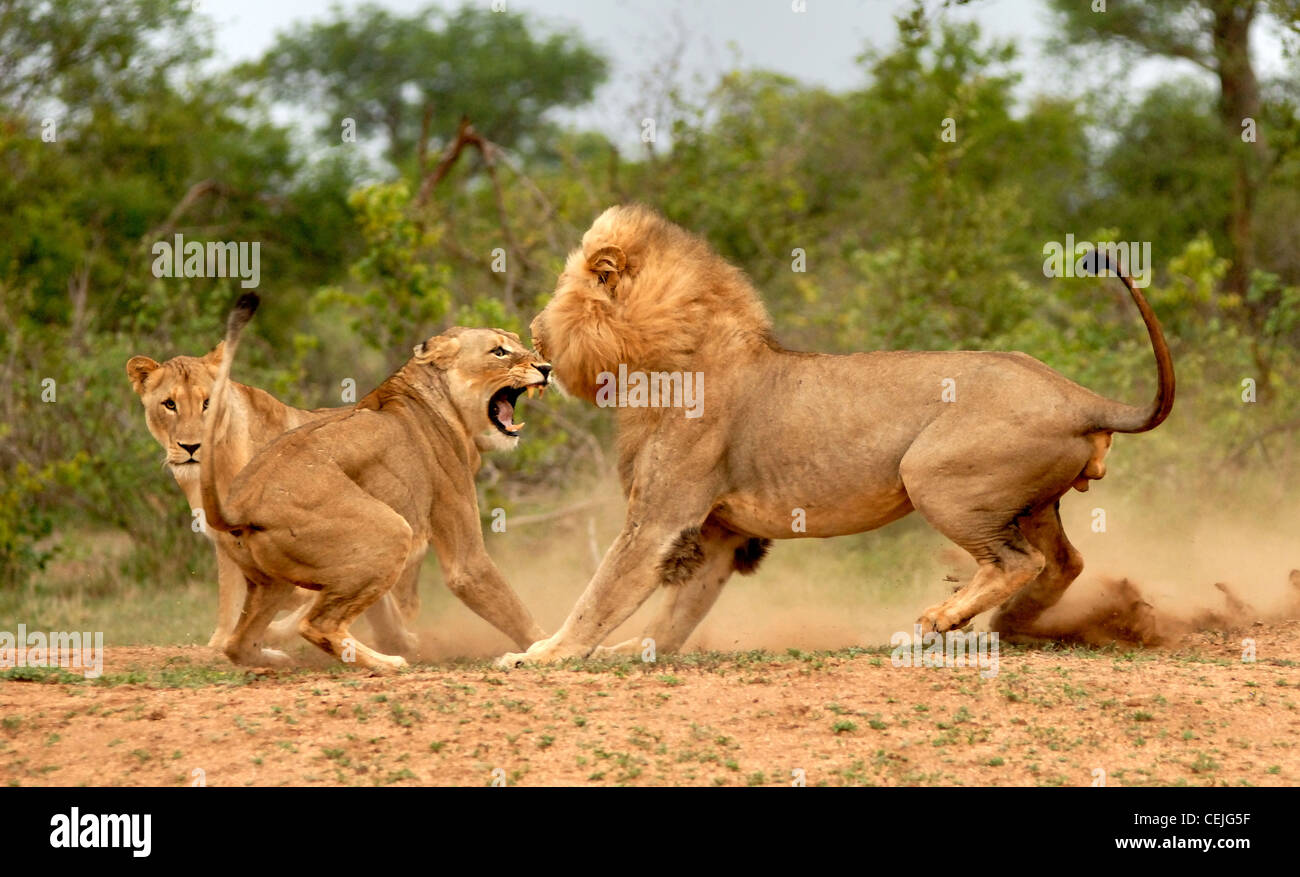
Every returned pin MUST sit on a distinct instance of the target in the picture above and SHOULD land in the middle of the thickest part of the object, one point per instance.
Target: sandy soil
(1190, 712)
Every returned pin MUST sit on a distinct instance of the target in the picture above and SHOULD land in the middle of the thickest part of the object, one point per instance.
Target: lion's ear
(213, 356)
(608, 263)
(440, 351)
(138, 368)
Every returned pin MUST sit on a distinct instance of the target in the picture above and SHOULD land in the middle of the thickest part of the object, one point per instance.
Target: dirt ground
(1189, 712)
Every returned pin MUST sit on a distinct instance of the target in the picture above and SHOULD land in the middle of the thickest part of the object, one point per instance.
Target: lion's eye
(169, 404)
(499, 351)
(205, 404)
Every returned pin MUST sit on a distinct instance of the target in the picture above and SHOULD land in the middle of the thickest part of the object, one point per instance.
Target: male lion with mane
(347, 505)
(854, 441)
(176, 396)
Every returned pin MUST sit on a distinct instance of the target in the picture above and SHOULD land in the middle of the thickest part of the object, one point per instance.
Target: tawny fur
(348, 505)
(253, 418)
(842, 444)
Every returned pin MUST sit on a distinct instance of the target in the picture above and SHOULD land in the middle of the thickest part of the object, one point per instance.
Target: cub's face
(175, 395)
(487, 370)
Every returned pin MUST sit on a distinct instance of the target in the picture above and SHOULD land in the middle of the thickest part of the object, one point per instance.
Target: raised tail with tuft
(1118, 417)
(213, 514)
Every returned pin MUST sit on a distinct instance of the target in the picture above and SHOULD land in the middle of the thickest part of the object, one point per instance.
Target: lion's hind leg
(1062, 565)
(1007, 560)
(328, 625)
(390, 617)
(1006, 563)
(361, 552)
(245, 644)
(991, 487)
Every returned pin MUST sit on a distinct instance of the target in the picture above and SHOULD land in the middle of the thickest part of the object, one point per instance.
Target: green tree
(143, 143)
(1215, 35)
(413, 76)
(78, 56)
(1165, 178)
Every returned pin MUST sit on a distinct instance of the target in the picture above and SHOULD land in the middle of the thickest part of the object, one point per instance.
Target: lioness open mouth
(501, 407)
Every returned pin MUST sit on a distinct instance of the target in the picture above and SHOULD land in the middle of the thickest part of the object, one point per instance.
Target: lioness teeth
(515, 427)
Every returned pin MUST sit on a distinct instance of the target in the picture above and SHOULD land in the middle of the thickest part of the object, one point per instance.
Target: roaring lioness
(789, 444)
(348, 504)
(176, 395)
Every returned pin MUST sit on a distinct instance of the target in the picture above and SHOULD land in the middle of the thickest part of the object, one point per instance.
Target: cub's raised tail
(213, 515)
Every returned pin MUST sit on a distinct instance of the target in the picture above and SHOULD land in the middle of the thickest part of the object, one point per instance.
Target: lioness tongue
(505, 413)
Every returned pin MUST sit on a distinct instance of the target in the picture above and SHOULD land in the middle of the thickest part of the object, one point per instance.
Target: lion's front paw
(540, 652)
(265, 658)
(387, 665)
(936, 619)
(510, 660)
(627, 648)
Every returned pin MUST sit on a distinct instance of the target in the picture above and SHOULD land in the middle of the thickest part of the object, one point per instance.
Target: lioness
(800, 444)
(176, 397)
(348, 504)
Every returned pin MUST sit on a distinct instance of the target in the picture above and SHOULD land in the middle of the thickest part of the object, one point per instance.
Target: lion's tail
(213, 514)
(1118, 417)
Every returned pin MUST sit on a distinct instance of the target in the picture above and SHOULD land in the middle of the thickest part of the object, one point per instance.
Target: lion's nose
(545, 369)
(189, 449)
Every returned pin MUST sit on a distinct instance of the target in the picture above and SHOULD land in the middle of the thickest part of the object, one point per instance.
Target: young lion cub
(346, 504)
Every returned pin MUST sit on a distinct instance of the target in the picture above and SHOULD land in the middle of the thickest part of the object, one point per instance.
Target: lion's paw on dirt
(389, 668)
(263, 658)
(511, 661)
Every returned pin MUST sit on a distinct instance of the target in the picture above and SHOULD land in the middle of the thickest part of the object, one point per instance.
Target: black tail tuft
(243, 312)
(1099, 263)
(248, 302)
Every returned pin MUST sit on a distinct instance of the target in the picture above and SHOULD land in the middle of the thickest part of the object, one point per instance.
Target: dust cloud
(1162, 568)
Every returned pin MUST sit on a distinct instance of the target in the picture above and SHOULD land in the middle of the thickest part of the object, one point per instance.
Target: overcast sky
(818, 46)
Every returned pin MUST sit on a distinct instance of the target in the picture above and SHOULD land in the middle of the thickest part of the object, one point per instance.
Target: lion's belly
(788, 516)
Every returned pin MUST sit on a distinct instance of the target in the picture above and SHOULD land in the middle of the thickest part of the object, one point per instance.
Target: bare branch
(467, 136)
(422, 153)
(198, 190)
